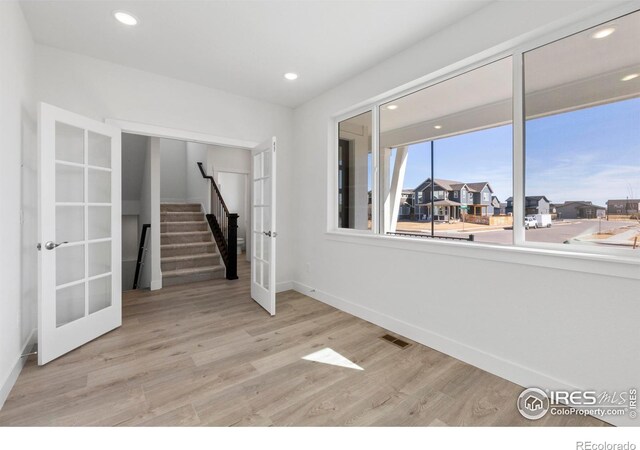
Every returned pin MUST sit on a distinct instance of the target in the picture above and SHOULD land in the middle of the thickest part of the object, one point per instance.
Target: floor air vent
(394, 340)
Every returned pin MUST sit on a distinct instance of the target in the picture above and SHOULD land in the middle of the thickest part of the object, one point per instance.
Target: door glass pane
(266, 195)
(99, 186)
(99, 150)
(265, 275)
(258, 243)
(257, 193)
(257, 166)
(99, 294)
(257, 223)
(266, 219)
(99, 222)
(266, 164)
(69, 143)
(69, 183)
(69, 304)
(266, 247)
(99, 258)
(69, 263)
(258, 272)
(69, 223)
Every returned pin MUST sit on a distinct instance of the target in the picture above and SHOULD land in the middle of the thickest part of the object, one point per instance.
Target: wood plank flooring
(206, 354)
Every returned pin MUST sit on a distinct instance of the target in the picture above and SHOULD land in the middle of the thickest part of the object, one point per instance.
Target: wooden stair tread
(179, 233)
(187, 244)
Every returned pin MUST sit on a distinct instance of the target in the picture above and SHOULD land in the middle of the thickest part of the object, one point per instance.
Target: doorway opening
(165, 187)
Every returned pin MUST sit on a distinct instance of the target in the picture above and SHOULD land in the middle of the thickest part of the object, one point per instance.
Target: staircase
(188, 253)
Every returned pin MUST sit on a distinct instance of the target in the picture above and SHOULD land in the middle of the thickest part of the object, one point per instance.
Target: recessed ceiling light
(437, 127)
(603, 32)
(631, 76)
(392, 107)
(291, 76)
(125, 18)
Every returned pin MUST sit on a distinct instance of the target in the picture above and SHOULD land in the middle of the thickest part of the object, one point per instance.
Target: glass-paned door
(79, 295)
(263, 225)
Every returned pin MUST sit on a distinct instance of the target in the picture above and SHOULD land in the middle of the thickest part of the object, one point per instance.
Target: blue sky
(590, 154)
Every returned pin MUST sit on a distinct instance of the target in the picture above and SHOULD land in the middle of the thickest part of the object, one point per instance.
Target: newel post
(232, 247)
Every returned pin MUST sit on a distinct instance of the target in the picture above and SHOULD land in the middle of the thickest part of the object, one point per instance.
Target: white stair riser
(179, 264)
(186, 238)
(176, 227)
(178, 207)
(190, 250)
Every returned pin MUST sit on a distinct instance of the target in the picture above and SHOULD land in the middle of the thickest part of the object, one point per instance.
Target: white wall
(134, 149)
(197, 187)
(151, 275)
(145, 215)
(573, 329)
(18, 258)
(102, 90)
(173, 171)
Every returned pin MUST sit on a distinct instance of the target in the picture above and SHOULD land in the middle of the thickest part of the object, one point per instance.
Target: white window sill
(593, 263)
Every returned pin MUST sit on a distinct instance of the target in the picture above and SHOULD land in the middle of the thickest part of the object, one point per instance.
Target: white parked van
(543, 220)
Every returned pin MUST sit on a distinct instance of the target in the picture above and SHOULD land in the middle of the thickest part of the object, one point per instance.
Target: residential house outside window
(463, 125)
(582, 98)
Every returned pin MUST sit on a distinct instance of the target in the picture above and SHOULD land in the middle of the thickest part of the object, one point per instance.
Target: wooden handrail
(215, 186)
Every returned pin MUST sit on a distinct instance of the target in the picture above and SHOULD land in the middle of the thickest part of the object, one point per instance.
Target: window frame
(515, 48)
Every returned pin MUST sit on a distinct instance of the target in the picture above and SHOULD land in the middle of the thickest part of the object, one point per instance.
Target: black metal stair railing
(224, 226)
(141, 254)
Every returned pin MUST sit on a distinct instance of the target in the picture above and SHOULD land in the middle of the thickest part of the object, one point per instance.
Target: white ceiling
(568, 74)
(245, 47)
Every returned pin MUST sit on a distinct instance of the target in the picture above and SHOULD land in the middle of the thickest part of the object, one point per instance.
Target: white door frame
(182, 135)
(159, 131)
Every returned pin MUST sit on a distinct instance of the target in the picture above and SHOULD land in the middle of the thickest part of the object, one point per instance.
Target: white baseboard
(516, 373)
(284, 286)
(155, 285)
(6, 387)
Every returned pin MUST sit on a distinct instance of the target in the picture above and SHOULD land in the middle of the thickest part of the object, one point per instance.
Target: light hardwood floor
(206, 354)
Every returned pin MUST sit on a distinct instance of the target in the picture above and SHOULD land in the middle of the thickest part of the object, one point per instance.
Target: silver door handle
(50, 245)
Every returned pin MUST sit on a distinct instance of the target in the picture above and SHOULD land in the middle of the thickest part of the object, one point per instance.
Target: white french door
(79, 278)
(263, 225)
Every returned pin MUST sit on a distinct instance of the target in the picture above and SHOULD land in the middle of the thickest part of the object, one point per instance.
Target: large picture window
(446, 158)
(582, 147)
(445, 155)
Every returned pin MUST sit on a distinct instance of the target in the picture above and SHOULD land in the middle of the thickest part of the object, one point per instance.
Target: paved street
(558, 233)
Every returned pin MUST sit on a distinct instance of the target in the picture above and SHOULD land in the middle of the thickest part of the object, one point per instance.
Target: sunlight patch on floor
(330, 356)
